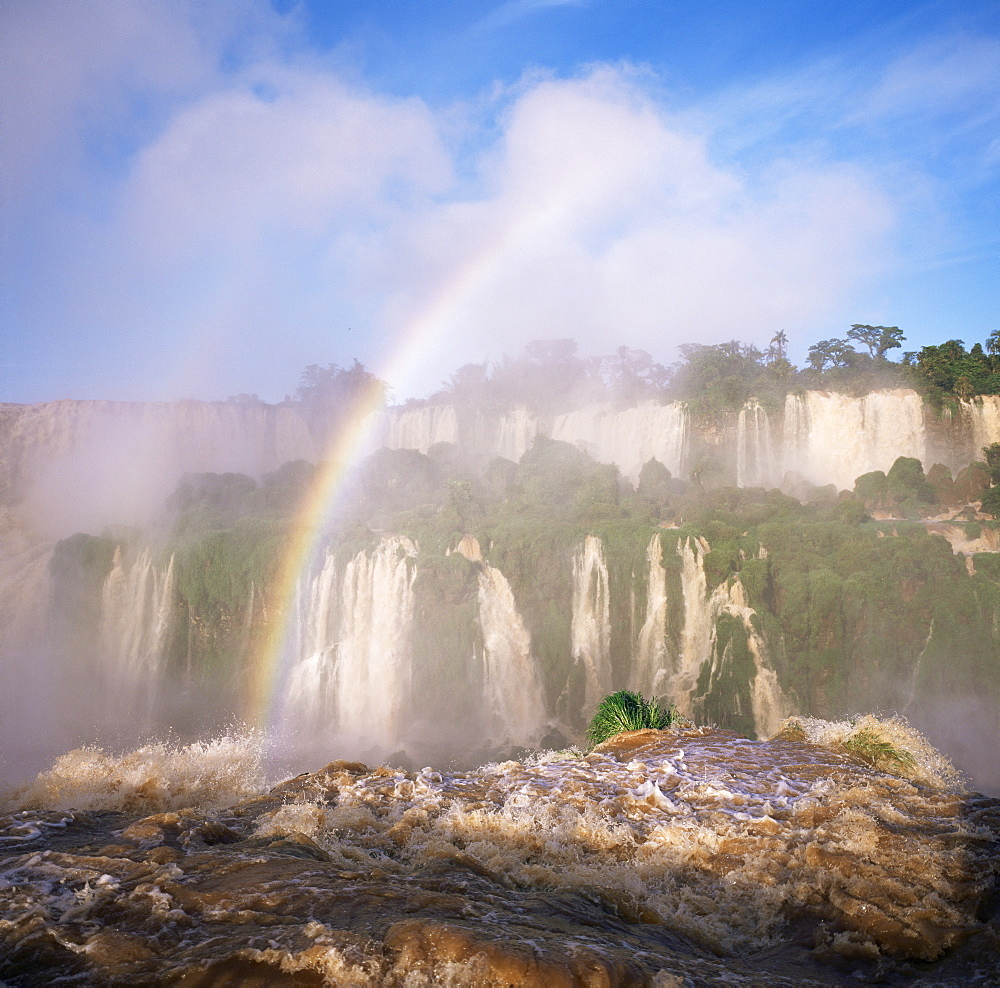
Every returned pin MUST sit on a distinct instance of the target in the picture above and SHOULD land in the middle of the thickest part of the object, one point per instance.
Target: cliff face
(766, 608)
(821, 437)
(84, 464)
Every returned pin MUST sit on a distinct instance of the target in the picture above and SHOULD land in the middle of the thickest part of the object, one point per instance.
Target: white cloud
(272, 205)
(72, 73)
(602, 219)
(235, 168)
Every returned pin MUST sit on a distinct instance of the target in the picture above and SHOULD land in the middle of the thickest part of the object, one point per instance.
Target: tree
(778, 348)
(939, 366)
(835, 352)
(879, 339)
(632, 375)
(470, 384)
(329, 394)
(991, 454)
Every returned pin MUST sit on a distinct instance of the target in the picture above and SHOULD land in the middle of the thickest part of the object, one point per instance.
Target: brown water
(662, 858)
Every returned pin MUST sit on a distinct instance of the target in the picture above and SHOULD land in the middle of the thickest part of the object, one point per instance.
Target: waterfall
(468, 546)
(355, 681)
(421, 428)
(754, 455)
(915, 678)
(136, 604)
(591, 627)
(630, 437)
(650, 668)
(122, 459)
(699, 624)
(833, 438)
(515, 433)
(984, 414)
(512, 690)
(701, 610)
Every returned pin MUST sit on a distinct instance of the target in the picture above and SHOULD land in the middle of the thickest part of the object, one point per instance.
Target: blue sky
(201, 199)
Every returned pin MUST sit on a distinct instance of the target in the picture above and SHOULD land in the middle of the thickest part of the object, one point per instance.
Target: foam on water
(920, 761)
(659, 858)
(158, 776)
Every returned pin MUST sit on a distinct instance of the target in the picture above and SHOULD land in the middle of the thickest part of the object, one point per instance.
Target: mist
(449, 608)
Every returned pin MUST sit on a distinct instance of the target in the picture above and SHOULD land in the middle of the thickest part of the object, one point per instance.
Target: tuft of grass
(791, 730)
(628, 711)
(877, 751)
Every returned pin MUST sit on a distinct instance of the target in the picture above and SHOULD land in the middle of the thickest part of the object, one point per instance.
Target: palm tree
(778, 347)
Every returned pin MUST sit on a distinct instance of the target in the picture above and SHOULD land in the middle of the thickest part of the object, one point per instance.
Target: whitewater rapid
(659, 859)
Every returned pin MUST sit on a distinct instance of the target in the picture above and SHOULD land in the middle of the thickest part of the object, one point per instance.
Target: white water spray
(511, 690)
(630, 437)
(358, 682)
(755, 461)
(834, 438)
(701, 611)
(651, 667)
(591, 627)
(421, 428)
(136, 607)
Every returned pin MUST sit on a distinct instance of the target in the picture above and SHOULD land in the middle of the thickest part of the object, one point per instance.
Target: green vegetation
(872, 748)
(904, 490)
(550, 377)
(947, 371)
(224, 578)
(991, 497)
(851, 613)
(77, 570)
(628, 711)
(329, 395)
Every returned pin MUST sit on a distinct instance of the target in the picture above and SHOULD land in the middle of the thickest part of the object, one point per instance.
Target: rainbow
(355, 437)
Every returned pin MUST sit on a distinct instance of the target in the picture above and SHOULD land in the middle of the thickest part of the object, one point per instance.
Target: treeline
(549, 376)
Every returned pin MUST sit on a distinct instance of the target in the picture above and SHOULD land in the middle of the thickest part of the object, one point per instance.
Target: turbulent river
(682, 857)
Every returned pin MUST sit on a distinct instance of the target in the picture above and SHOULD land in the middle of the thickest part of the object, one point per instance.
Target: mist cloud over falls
(211, 206)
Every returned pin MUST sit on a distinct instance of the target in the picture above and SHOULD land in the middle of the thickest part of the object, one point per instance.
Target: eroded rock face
(659, 857)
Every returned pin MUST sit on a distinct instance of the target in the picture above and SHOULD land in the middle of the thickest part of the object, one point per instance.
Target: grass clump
(868, 745)
(628, 711)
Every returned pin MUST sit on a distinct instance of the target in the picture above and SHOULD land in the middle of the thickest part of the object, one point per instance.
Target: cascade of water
(701, 610)
(468, 546)
(650, 669)
(356, 682)
(136, 604)
(631, 436)
(515, 433)
(795, 433)
(374, 659)
(916, 670)
(984, 413)
(699, 624)
(421, 428)
(123, 458)
(311, 694)
(754, 453)
(834, 438)
(512, 690)
(591, 627)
